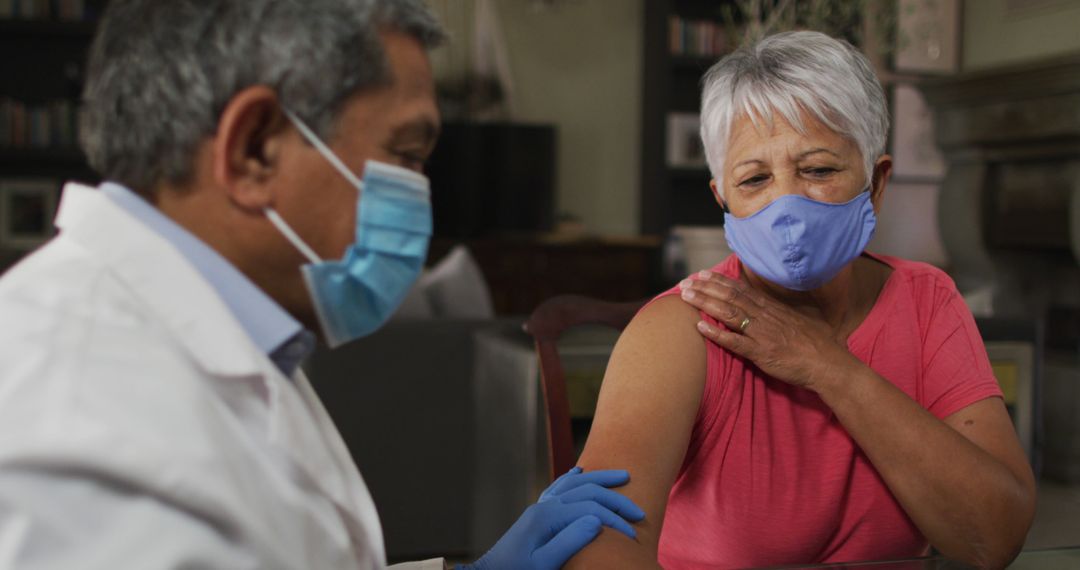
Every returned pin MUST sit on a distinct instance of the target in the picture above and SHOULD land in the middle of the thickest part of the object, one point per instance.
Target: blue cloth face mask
(355, 295)
(799, 243)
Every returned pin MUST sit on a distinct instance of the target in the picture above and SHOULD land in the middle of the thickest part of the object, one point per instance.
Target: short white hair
(794, 73)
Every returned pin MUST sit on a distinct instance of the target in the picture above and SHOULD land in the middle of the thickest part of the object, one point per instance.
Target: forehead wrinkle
(794, 146)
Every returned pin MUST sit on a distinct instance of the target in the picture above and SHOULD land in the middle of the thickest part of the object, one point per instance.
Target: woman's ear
(719, 197)
(247, 146)
(879, 180)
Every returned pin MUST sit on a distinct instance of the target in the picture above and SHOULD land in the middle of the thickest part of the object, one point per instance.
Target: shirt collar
(273, 330)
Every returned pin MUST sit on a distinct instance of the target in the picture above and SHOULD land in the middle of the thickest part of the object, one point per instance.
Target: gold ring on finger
(745, 323)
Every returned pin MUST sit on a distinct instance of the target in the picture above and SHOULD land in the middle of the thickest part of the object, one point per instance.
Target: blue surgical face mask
(355, 295)
(799, 243)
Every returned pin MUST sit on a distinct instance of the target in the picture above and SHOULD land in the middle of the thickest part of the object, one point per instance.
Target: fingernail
(685, 283)
(688, 294)
(704, 327)
(704, 274)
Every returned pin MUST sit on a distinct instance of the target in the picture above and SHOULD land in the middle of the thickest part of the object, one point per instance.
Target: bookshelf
(39, 100)
(39, 104)
(682, 39)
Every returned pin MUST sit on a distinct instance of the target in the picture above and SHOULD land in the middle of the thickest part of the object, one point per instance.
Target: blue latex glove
(568, 516)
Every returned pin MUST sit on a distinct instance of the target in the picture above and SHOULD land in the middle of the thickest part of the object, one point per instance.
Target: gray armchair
(403, 400)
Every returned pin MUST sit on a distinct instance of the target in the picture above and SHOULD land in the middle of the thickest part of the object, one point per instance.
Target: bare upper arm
(986, 423)
(648, 403)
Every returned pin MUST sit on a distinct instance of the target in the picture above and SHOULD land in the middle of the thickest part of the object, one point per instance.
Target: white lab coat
(141, 428)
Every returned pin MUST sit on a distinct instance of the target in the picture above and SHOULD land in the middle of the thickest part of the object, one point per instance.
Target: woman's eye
(754, 180)
(819, 172)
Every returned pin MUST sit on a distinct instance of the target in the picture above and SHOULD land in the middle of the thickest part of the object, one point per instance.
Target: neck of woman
(843, 303)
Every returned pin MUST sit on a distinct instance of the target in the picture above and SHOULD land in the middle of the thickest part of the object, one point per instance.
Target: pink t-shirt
(771, 477)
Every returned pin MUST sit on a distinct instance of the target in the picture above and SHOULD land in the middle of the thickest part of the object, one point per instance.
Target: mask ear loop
(316, 142)
(290, 235)
(324, 150)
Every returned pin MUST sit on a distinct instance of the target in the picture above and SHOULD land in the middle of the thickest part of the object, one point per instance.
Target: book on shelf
(43, 126)
(698, 38)
(71, 10)
(64, 10)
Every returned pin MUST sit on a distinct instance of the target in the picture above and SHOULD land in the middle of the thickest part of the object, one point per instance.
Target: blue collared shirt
(273, 330)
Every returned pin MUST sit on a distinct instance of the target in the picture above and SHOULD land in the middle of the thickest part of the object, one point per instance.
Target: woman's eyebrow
(749, 161)
(800, 156)
(812, 151)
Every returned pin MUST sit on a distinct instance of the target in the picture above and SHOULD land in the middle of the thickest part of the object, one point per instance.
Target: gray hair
(792, 73)
(162, 72)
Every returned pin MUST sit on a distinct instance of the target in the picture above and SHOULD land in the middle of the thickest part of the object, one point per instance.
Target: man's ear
(247, 147)
(879, 180)
(717, 195)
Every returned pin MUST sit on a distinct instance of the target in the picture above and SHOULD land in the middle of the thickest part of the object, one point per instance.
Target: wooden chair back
(546, 324)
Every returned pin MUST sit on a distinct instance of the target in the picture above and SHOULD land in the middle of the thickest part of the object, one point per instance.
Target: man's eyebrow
(423, 129)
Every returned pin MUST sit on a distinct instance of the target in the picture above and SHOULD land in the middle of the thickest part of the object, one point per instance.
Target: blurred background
(570, 164)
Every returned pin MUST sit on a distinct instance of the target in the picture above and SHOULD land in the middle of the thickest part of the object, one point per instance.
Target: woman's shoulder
(921, 278)
(728, 267)
(924, 292)
(669, 308)
(668, 324)
(674, 321)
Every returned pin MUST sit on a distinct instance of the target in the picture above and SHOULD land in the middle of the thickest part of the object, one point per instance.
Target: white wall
(577, 65)
(1002, 32)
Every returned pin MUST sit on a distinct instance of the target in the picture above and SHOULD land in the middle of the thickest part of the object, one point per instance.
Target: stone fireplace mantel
(1009, 210)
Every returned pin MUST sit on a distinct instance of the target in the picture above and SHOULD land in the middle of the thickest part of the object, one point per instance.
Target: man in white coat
(262, 161)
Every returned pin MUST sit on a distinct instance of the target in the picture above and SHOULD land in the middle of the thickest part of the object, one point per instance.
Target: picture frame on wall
(684, 146)
(928, 36)
(27, 208)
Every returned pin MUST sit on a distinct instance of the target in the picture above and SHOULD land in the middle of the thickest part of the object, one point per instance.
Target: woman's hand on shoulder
(782, 342)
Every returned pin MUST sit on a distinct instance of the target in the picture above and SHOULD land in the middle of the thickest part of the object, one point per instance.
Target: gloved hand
(568, 516)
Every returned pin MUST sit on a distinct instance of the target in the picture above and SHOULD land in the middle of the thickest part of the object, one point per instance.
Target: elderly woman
(841, 406)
